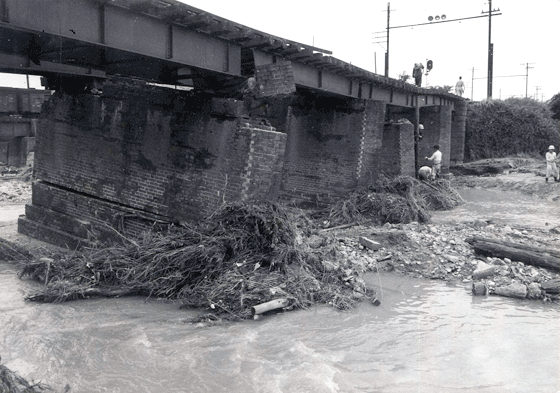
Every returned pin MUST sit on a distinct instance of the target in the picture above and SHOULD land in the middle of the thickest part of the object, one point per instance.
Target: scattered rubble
(441, 252)
(14, 190)
(520, 174)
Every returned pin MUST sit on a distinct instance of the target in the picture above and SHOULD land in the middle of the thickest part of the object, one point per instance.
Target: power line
(527, 68)
(489, 13)
(503, 76)
(472, 82)
(447, 20)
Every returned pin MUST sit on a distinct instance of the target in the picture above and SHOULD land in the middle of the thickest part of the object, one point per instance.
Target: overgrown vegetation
(554, 106)
(515, 126)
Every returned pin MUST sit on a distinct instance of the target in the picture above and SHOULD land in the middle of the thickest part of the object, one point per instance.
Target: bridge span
(259, 117)
(170, 42)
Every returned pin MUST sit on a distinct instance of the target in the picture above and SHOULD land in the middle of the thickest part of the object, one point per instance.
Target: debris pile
(442, 251)
(399, 200)
(239, 257)
(12, 382)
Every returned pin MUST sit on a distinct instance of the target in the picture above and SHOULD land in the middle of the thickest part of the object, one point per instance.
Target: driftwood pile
(531, 255)
(239, 257)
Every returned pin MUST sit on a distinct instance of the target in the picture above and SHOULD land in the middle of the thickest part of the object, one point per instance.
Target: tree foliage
(554, 106)
(500, 128)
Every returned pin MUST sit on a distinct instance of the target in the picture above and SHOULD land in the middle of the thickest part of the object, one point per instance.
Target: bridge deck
(158, 40)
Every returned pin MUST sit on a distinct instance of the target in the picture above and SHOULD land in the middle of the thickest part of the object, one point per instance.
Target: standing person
(551, 169)
(436, 162)
(417, 72)
(460, 87)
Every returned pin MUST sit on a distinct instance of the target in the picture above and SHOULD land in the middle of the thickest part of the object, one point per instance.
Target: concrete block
(515, 290)
(483, 270)
(479, 289)
(371, 244)
(50, 235)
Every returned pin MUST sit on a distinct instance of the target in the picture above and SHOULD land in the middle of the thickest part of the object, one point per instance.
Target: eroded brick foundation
(135, 157)
(140, 157)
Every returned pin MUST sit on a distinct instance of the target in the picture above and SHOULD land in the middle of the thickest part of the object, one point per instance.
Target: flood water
(504, 207)
(426, 336)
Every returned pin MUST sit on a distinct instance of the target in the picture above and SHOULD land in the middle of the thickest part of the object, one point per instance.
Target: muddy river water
(426, 336)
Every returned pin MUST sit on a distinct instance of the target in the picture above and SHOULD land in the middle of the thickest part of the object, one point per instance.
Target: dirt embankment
(524, 175)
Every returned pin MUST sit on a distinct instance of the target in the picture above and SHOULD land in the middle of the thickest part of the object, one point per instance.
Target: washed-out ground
(436, 250)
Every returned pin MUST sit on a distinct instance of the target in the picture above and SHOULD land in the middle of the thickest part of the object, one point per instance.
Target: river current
(426, 336)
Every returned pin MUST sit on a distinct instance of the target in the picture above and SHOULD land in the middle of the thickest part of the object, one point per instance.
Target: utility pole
(386, 38)
(490, 51)
(388, 28)
(527, 68)
(490, 48)
(537, 92)
(472, 83)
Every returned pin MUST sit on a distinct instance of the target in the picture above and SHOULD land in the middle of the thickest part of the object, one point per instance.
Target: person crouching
(425, 173)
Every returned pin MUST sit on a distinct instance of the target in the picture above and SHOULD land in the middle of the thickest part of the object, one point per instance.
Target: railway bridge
(250, 116)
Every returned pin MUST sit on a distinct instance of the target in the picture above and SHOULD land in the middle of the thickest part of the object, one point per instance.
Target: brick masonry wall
(157, 152)
(263, 171)
(437, 131)
(323, 150)
(275, 79)
(406, 149)
(458, 127)
(371, 147)
(397, 156)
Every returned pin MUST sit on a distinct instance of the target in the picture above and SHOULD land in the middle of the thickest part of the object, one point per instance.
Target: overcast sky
(526, 32)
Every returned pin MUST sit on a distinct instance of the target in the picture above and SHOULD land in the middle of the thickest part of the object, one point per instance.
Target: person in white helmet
(551, 169)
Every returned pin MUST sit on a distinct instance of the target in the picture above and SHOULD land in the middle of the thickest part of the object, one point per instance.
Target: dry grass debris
(241, 256)
(399, 200)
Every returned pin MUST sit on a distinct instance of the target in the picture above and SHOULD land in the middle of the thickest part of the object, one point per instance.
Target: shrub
(515, 126)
